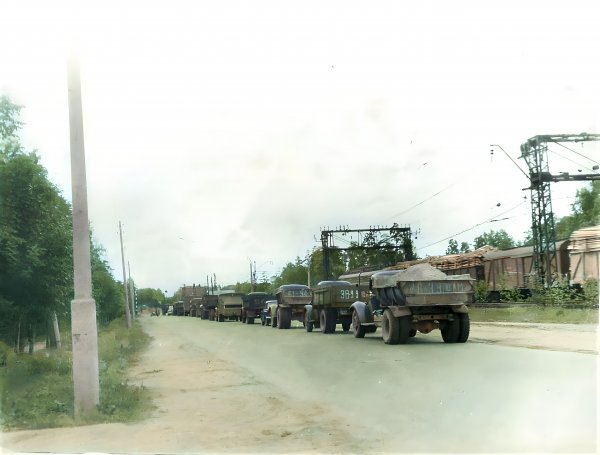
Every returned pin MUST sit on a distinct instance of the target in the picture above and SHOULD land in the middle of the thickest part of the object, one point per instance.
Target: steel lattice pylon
(535, 154)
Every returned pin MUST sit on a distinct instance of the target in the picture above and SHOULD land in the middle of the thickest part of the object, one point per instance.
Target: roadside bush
(481, 291)
(590, 291)
(37, 389)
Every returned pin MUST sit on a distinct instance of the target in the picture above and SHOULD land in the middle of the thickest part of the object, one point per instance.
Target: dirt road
(226, 388)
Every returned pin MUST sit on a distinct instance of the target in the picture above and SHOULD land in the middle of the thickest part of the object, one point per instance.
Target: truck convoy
(420, 298)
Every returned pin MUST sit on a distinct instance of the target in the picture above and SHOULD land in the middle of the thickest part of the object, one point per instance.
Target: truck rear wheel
(345, 326)
(358, 330)
(465, 327)
(451, 331)
(249, 320)
(328, 319)
(284, 318)
(390, 328)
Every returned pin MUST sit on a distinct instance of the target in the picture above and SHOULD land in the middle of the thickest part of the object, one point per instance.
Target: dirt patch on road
(553, 337)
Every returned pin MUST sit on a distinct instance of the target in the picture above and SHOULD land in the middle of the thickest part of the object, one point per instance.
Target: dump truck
(420, 298)
(291, 300)
(331, 305)
(252, 304)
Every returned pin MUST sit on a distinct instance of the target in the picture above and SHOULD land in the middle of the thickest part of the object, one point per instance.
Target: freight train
(577, 260)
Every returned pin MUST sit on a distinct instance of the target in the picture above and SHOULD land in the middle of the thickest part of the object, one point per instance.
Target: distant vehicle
(252, 305)
(265, 312)
(331, 305)
(208, 306)
(178, 308)
(170, 310)
(420, 298)
(291, 299)
(229, 306)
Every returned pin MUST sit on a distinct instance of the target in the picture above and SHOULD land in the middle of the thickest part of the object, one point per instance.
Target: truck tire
(249, 320)
(284, 318)
(451, 331)
(390, 328)
(358, 330)
(327, 320)
(308, 324)
(465, 327)
(412, 333)
(405, 323)
(346, 326)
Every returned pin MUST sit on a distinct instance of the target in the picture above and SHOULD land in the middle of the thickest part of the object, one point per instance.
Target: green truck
(331, 305)
(291, 300)
(252, 304)
(418, 299)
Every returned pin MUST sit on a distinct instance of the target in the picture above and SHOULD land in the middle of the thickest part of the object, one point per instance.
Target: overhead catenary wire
(572, 161)
(486, 221)
(577, 153)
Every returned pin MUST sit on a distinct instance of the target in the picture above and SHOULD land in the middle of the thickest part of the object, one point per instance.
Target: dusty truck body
(291, 300)
(208, 306)
(252, 304)
(331, 305)
(420, 298)
(229, 306)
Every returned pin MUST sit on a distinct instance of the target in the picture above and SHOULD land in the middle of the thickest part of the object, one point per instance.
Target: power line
(490, 220)
(569, 159)
(577, 153)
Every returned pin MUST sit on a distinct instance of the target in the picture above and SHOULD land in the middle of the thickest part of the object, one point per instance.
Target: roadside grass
(37, 389)
(535, 314)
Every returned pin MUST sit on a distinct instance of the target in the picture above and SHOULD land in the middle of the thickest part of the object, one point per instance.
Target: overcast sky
(229, 131)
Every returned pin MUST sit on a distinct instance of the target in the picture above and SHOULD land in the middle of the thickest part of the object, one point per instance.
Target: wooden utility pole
(131, 293)
(127, 312)
(86, 382)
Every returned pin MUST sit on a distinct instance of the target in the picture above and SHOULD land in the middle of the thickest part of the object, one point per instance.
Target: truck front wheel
(358, 330)
(308, 324)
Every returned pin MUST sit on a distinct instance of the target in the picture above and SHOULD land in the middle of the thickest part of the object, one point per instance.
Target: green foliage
(9, 118)
(149, 297)
(296, 273)
(590, 291)
(452, 247)
(37, 390)
(481, 291)
(499, 239)
(585, 211)
(535, 314)
(35, 242)
(337, 265)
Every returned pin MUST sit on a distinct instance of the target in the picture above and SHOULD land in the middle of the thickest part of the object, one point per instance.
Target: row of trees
(36, 265)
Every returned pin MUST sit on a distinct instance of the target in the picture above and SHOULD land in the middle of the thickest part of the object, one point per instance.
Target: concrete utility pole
(86, 383)
(127, 312)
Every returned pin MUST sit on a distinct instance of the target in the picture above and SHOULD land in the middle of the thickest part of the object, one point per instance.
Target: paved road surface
(242, 388)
